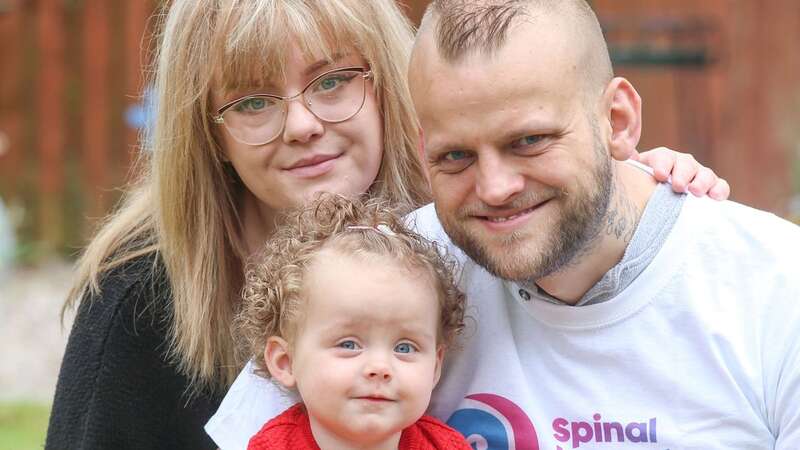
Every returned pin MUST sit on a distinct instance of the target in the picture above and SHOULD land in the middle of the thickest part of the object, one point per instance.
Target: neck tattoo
(622, 216)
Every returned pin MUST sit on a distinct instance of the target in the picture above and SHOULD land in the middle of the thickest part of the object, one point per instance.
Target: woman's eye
(253, 104)
(348, 345)
(404, 347)
(329, 83)
(528, 140)
(332, 82)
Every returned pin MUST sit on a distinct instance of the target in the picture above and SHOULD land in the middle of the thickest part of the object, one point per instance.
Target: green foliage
(23, 425)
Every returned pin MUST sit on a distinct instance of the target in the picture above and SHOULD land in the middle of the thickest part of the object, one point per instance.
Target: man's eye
(453, 161)
(528, 140)
(348, 345)
(404, 347)
(455, 155)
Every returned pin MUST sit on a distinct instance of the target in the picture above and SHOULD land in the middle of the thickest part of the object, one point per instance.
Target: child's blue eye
(404, 347)
(348, 345)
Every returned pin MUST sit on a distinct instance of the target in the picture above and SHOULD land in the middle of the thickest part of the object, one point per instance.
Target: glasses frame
(218, 118)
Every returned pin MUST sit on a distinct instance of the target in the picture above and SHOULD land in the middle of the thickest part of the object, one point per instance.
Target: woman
(150, 352)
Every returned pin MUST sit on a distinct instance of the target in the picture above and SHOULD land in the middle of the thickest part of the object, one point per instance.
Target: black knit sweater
(116, 389)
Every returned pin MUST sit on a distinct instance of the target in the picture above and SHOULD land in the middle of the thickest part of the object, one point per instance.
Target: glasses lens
(254, 120)
(336, 96)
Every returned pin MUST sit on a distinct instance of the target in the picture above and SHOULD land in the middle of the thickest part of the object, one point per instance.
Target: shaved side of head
(462, 28)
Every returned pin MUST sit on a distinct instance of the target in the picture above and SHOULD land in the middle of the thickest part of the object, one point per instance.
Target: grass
(23, 425)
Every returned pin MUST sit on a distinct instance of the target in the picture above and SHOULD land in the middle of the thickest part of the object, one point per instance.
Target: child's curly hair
(272, 301)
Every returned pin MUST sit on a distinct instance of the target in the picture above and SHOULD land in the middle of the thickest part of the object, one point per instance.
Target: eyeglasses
(332, 97)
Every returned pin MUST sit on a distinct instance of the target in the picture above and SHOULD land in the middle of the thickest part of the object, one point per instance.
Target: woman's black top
(116, 388)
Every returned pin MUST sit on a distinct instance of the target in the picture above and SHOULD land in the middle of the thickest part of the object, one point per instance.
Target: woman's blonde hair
(274, 295)
(185, 206)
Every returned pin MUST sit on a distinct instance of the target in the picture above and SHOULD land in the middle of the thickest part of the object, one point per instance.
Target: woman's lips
(313, 167)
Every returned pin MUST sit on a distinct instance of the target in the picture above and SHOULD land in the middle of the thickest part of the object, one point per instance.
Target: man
(605, 311)
(612, 312)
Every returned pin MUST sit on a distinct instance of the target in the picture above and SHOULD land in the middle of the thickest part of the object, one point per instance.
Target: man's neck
(633, 189)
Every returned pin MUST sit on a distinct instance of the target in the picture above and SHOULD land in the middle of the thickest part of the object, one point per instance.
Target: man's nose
(498, 180)
(301, 124)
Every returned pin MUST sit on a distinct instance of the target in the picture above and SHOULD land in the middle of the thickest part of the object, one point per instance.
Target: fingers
(720, 191)
(703, 181)
(661, 159)
(684, 171)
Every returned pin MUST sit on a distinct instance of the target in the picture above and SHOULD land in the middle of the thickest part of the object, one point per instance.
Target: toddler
(353, 311)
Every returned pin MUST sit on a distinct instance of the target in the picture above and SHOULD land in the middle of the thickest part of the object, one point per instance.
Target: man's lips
(509, 215)
(508, 220)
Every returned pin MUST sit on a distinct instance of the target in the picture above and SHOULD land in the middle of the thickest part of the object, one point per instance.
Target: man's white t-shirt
(700, 351)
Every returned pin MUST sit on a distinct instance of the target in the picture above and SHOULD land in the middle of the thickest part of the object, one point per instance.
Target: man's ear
(279, 361)
(624, 113)
(438, 370)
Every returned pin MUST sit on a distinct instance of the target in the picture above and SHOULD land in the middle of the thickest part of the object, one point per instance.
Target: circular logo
(492, 422)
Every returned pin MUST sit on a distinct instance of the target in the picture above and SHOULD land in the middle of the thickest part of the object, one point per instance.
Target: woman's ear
(624, 113)
(279, 361)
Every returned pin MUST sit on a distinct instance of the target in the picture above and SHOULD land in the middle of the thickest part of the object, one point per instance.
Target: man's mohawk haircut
(466, 26)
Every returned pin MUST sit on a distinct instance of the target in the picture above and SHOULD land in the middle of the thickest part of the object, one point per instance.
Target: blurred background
(720, 79)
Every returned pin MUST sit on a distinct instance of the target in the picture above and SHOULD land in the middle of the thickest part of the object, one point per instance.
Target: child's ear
(279, 361)
(439, 358)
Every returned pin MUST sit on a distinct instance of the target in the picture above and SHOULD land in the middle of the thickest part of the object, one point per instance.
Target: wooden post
(10, 97)
(50, 115)
(96, 109)
(136, 48)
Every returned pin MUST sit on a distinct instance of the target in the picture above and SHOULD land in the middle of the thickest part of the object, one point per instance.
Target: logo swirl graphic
(492, 422)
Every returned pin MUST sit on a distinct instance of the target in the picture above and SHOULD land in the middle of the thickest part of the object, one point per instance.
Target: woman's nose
(301, 124)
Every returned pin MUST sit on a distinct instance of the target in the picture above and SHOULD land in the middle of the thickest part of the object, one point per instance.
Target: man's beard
(569, 235)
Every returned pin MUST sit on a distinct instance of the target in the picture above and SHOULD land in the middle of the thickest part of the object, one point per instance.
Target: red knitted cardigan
(292, 430)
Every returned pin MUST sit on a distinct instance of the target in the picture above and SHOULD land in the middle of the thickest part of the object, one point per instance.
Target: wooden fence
(739, 112)
(72, 81)
(71, 74)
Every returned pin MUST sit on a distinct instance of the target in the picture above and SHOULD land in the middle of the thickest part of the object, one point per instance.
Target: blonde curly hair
(272, 299)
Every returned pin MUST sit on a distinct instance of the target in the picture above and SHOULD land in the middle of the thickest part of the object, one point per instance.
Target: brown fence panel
(70, 71)
(739, 113)
(136, 20)
(49, 98)
(11, 26)
(96, 115)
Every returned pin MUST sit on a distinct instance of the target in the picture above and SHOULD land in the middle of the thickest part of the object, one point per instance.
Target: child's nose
(378, 369)
(380, 373)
